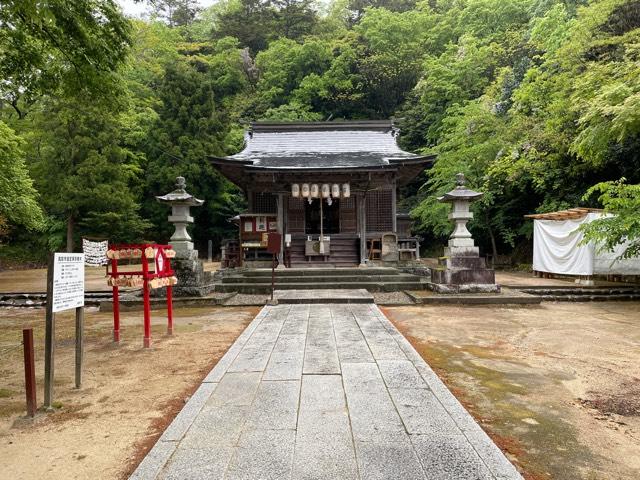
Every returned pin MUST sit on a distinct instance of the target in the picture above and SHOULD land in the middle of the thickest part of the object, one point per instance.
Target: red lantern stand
(162, 270)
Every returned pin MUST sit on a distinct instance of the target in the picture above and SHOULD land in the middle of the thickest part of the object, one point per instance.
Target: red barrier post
(116, 302)
(29, 371)
(169, 310)
(147, 308)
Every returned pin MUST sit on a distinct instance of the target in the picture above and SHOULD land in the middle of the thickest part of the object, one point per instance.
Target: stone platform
(323, 392)
(323, 296)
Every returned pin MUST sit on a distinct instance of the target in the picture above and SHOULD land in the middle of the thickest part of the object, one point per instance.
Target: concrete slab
(323, 392)
(263, 454)
(323, 296)
(321, 354)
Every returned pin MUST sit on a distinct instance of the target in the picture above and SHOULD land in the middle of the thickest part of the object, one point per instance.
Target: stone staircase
(582, 294)
(373, 279)
(344, 252)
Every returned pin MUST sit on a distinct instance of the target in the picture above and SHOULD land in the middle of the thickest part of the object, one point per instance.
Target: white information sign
(68, 281)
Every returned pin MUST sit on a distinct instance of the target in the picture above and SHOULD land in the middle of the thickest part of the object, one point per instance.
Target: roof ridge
(318, 126)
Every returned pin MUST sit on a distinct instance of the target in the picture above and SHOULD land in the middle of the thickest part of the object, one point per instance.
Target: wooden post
(116, 302)
(146, 306)
(362, 222)
(321, 246)
(280, 221)
(210, 251)
(29, 371)
(273, 274)
(79, 344)
(394, 206)
(49, 346)
(169, 310)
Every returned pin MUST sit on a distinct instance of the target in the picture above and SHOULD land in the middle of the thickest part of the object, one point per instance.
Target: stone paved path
(323, 392)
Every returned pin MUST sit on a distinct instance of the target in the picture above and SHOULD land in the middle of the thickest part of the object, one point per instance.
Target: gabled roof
(313, 146)
(571, 214)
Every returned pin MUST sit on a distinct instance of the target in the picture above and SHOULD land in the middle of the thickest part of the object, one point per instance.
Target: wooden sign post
(65, 290)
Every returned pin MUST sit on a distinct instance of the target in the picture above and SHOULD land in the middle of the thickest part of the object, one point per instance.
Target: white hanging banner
(95, 253)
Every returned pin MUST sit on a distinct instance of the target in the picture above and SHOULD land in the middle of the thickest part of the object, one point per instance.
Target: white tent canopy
(557, 248)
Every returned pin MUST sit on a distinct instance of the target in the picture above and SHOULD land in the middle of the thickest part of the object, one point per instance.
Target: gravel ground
(247, 299)
(392, 298)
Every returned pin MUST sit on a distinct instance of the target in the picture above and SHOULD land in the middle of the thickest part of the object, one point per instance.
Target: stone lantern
(192, 279)
(180, 217)
(460, 241)
(461, 269)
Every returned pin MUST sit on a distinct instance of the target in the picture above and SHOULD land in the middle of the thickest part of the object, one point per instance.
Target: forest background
(536, 101)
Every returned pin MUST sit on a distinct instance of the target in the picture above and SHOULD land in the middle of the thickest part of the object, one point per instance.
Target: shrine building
(329, 187)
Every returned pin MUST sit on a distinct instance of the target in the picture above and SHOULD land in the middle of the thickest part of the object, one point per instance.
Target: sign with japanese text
(68, 281)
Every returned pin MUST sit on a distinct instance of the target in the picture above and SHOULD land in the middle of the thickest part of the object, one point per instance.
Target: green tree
(46, 45)
(87, 176)
(192, 124)
(621, 223)
(295, 18)
(19, 206)
(250, 21)
(177, 13)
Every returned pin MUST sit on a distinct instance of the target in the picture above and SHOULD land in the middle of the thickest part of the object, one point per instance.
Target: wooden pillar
(362, 227)
(280, 221)
(394, 218)
(250, 202)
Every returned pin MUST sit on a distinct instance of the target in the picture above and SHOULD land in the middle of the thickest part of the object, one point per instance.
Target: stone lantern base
(193, 281)
(463, 274)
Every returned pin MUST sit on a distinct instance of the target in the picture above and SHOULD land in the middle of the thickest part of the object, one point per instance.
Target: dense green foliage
(623, 227)
(536, 101)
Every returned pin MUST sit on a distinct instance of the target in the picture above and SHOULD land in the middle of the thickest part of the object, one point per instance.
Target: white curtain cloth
(606, 263)
(556, 250)
(556, 247)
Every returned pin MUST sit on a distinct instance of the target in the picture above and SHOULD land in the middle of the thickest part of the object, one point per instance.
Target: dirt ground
(35, 280)
(556, 385)
(129, 393)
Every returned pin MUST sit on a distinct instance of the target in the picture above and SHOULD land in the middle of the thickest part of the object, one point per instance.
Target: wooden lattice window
(265, 203)
(348, 215)
(295, 215)
(379, 211)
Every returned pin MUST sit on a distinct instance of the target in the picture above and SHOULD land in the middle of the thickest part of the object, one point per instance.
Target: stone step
(317, 272)
(265, 287)
(580, 290)
(319, 264)
(322, 278)
(323, 296)
(590, 298)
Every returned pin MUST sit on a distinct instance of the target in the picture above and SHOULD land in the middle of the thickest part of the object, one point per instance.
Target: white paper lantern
(335, 190)
(346, 190)
(295, 190)
(315, 190)
(305, 190)
(326, 190)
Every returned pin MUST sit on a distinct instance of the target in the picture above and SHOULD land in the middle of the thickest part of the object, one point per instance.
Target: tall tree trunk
(70, 225)
(494, 248)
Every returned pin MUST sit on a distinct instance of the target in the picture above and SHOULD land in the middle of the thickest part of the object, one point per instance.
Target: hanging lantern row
(316, 191)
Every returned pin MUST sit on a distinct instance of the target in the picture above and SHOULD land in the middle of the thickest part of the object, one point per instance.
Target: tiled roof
(322, 145)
